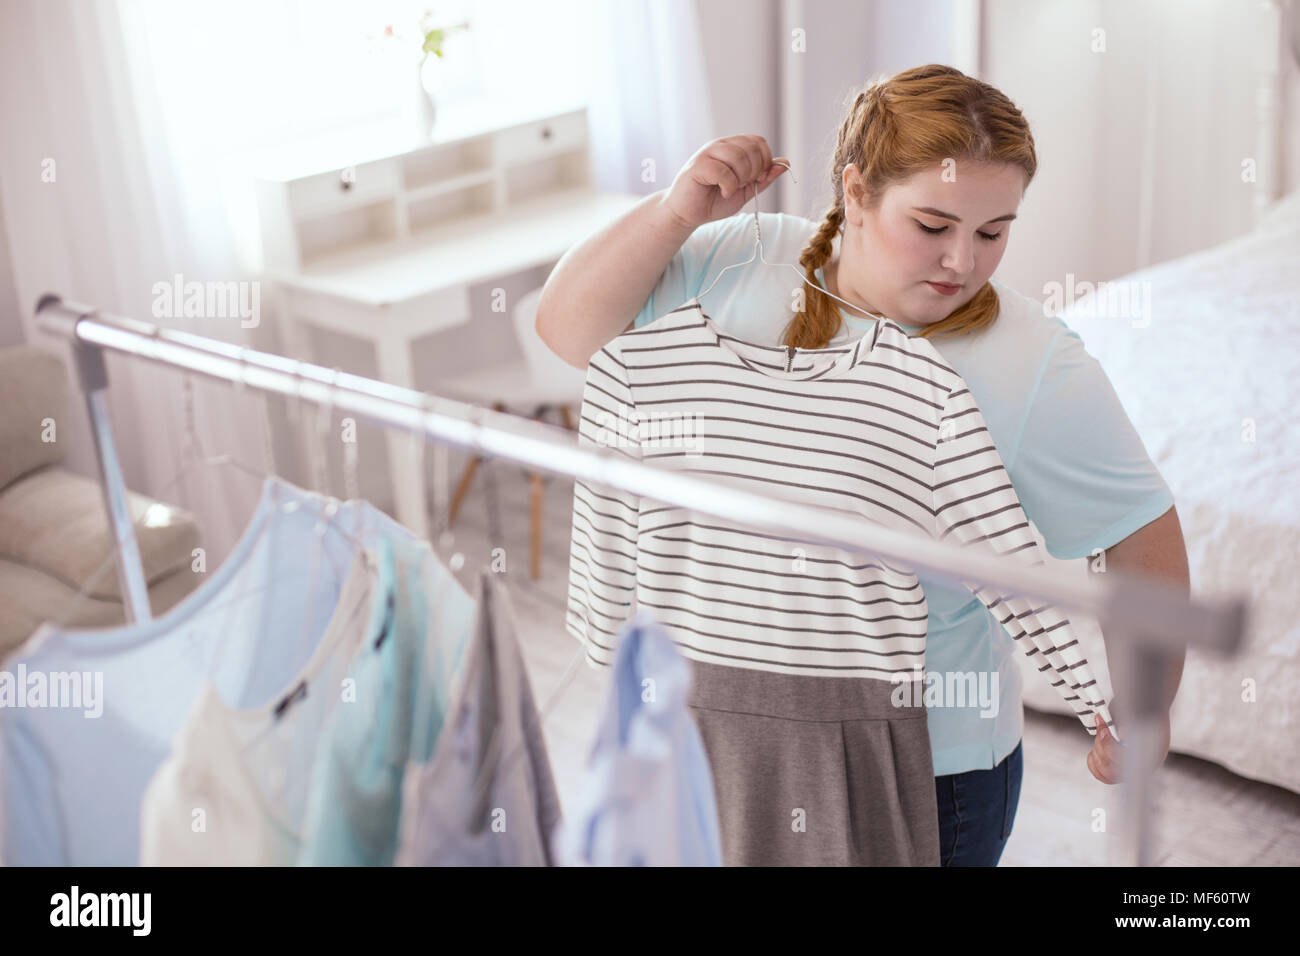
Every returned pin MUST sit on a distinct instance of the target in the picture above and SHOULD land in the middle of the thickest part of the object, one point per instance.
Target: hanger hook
(334, 385)
(758, 236)
(326, 420)
(192, 451)
(155, 331)
(476, 418)
(351, 470)
(298, 400)
(297, 378)
(241, 383)
(268, 452)
(441, 536)
(191, 425)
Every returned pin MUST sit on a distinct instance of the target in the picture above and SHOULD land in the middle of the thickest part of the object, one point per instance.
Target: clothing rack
(1153, 618)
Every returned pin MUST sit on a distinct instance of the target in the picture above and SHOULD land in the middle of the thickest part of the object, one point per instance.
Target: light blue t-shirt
(1078, 466)
(399, 694)
(647, 796)
(72, 778)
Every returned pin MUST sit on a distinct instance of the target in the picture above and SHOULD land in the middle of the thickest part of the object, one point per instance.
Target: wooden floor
(1205, 815)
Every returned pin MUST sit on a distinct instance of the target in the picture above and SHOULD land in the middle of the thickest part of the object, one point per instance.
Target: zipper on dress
(789, 352)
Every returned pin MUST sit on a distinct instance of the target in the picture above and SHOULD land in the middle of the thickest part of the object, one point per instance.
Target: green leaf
(433, 41)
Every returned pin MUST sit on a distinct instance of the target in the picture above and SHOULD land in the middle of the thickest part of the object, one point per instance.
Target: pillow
(33, 388)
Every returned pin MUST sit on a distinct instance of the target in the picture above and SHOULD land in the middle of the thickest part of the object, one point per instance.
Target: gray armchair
(54, 532)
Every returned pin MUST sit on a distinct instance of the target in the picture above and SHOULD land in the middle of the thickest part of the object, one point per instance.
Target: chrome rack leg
(1136, 676)
(93, 377)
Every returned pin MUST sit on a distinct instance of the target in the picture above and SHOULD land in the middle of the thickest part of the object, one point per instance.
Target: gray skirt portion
(816, 771)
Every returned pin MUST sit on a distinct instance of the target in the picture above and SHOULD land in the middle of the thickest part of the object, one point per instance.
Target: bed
(1210, 379)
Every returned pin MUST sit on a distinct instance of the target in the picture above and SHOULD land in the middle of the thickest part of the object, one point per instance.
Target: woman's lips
(943, 289)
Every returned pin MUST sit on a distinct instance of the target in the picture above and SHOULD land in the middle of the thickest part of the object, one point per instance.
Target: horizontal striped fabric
(882, 428)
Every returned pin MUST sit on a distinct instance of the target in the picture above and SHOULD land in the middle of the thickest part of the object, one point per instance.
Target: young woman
(927, 176)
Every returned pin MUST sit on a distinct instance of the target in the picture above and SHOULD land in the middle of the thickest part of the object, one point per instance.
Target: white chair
(532, 386)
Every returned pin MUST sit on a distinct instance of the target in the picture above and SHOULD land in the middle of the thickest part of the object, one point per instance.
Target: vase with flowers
(423, 44)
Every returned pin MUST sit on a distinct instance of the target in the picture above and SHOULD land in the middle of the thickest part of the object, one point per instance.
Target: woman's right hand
(720, 178)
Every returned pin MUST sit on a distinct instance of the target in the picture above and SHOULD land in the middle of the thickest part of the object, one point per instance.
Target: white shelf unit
(379, 233)
(311, 217)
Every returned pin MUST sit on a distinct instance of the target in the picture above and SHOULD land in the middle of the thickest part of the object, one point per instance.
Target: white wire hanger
(194, 459)
(327, 519)
(759, 252)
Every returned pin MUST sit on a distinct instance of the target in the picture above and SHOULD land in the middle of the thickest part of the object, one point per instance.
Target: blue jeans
(976, 811)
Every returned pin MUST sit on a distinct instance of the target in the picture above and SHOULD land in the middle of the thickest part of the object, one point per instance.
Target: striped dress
(807, 660)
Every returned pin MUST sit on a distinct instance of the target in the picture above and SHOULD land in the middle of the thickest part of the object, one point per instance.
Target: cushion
(55, 521)
(33, 388)
(30, 598)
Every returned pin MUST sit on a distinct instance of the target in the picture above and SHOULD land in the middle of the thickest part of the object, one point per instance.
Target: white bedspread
(1212, 384)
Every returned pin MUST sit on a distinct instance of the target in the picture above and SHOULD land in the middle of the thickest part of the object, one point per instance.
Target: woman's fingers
(748, 157)
(722, 176)
(734, 158)
(1105, 759)
(1099, 767)
(774, 171)
(760, 159)
(716, 172)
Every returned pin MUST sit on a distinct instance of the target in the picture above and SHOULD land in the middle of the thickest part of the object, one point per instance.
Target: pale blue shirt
(400, 692)
(1077, 464)
(647, 796)
(72, 782)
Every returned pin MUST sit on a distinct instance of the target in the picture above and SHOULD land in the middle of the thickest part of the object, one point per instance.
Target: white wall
(1164, 117)
(1139, 147)
(849, 43)
(744, 83)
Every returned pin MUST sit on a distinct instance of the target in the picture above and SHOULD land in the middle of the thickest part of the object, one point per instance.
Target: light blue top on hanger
(392, 713)
(647, 796)
(72, 784)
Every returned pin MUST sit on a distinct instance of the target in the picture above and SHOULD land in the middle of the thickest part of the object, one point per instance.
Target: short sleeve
(976, 507)
(603, 546)
(1082, 473)
(706, 251)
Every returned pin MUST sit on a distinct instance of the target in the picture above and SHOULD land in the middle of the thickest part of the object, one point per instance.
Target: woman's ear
(852, 187)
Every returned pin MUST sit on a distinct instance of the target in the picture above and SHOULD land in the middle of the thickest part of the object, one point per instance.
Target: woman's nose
(960, 257)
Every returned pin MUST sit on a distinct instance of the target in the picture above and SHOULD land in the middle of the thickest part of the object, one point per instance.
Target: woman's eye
(935, 232)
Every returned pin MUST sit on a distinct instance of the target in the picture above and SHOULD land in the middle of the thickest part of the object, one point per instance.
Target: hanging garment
(398, 698)
(487, 798)
(1080, 470)
(881, 428)
(233, 791)
(72, 777)
(647, 796)
(817, 771)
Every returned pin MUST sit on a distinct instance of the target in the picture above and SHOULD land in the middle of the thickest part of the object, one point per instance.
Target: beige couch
(54, 533)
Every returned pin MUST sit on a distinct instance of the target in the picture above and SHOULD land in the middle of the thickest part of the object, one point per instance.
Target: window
(241, 73)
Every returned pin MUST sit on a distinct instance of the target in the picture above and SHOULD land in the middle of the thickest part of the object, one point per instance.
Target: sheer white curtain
(104, 197)
(649, 98)
(121, 119)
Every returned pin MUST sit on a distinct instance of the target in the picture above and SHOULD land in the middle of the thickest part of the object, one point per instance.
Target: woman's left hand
(1106, 758)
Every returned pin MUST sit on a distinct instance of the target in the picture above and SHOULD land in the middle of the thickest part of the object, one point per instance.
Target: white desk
(387, 249)
(393, 294)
